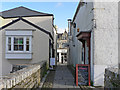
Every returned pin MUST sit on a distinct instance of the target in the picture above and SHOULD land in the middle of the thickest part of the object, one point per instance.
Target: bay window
(18, 44)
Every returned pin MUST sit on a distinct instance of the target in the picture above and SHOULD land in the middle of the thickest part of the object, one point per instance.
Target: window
(18, 44)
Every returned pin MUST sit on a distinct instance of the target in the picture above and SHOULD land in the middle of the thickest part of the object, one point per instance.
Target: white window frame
(24, 44)
(19, 54)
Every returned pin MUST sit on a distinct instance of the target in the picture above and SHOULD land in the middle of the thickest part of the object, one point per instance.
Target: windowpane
(9, 47)
(9, 40)
(16, 41)
(21, 47)
(20, 41)
(18, 44)
(27, 44)
(27, 41)
(16, 47)
(9, 43)
(27, 47)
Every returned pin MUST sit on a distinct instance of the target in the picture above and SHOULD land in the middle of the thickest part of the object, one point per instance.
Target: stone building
(93, 38)
(61, 47)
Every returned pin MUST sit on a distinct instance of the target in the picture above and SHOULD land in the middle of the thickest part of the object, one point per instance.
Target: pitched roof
(22, 12)
(81, 3)
(24, 20)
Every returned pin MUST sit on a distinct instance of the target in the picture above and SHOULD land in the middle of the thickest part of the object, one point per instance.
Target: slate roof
(22, 12)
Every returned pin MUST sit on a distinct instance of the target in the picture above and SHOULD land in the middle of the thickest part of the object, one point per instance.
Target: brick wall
(28, 77)
(112, 78)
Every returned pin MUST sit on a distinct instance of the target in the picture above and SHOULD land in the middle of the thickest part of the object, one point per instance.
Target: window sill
(18, 55)
(19, 52)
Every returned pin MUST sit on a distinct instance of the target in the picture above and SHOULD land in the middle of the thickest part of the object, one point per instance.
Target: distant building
(27, 36)
(93, 38)
(61, 47)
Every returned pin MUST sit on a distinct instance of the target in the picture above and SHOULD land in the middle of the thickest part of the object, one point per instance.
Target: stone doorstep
(91, 87)
(43, 80)
(84, 87)
(59, 86)
(76, 86)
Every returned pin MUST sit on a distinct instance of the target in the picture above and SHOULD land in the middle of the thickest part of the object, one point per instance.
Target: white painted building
(61, 47)
(26, 36)
(93, 38)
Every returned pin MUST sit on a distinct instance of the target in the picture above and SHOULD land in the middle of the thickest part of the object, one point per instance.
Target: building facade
(93, 38)
(61, 47)
(26, 36)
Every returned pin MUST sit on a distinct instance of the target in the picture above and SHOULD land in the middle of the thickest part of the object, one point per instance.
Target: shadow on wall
(99, 79)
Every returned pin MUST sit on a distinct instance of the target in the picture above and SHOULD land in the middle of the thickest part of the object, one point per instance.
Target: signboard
(82, 74)
(52, 61)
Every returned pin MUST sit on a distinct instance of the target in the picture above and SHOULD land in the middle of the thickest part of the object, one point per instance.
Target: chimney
(69, 26)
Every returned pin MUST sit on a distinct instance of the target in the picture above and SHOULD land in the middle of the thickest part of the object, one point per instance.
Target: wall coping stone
(112, 77)
(115, 70)
(12, 79)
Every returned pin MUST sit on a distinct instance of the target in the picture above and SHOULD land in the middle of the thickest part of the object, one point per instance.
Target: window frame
(18, 44)
(24, 44)
(21, 55)
(9, 44)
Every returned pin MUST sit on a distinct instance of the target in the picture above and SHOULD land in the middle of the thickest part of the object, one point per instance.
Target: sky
(61, 10)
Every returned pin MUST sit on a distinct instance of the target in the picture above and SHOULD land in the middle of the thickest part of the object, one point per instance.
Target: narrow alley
(63, 78)
(62, 44)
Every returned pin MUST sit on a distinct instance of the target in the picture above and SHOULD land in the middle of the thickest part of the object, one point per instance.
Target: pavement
(63, 78)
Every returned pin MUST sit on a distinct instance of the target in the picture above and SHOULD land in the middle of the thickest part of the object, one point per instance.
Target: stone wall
(28, 77)
(112, 78)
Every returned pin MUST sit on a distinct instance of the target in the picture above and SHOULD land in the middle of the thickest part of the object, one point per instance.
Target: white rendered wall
(119, 33)
(45, 22)
(60, 51)
(105, 39)
(0, 53)
(84, 17)
(84, 23)
(6, 65)
(60, 57)
(40, 47)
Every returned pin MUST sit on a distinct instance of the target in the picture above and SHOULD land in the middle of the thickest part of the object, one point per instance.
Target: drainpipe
(68, 49)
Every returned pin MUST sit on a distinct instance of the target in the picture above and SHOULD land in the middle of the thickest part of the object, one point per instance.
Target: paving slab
(64, 78)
